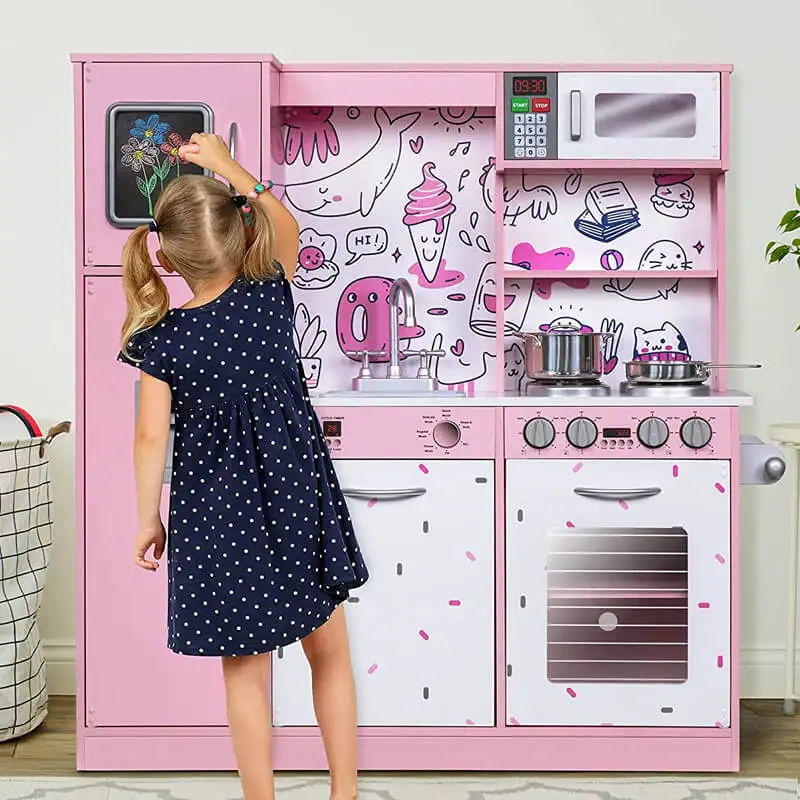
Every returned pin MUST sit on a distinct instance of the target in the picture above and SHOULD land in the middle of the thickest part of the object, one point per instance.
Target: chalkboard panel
(142, 141)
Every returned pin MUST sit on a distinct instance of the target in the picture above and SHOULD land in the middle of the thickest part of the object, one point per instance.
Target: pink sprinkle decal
(578, 467)
(371, 503)
(718, 724)
(513, 720)
(455, 602)
(720, 661)
(719, 557)
(457, 297)
(424, 635)
(572, 692)
(470, 722)
(675, 470)
(623, 505)
(719, 487)
(570, 524)
(372, 669)
(470, 556)
(423, 469)
(704, 605)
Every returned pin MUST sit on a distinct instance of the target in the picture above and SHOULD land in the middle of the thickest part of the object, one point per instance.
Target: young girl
(261, 547)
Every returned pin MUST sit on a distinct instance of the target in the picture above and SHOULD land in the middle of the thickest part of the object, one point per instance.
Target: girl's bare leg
(250, 724)
(328, 652)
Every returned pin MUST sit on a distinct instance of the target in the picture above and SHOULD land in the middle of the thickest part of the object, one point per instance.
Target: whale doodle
(355, 188)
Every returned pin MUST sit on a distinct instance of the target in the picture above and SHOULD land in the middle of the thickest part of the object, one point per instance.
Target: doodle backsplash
(381, 193)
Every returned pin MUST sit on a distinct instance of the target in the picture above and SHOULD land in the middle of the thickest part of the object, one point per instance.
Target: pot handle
(732, 366)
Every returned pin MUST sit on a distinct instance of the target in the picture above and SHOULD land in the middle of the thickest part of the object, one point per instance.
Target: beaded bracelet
(260, 188)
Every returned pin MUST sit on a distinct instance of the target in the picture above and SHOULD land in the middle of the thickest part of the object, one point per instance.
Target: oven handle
(384, 494)
(618, 494)
(575, 115)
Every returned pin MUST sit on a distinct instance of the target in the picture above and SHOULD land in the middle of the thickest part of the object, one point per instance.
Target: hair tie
(239, 200)
(153, 226)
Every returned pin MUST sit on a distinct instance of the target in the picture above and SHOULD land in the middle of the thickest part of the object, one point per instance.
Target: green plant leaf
(165, 168)
(795, 242)
(797, 194)
(770, 245)
(793, 225)
(788, 217)
(151, 183)
(140, 184)
(779, 253)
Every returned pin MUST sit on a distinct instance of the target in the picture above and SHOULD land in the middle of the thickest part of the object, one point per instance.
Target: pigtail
(259, 260)
(145, 291)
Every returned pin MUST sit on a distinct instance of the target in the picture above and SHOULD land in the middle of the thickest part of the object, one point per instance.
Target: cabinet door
(131, 677)
(422, 628)
(618, 592)
(647, 115)
(153, 104)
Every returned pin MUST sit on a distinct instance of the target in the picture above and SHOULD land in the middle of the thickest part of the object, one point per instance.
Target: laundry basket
(25, 539)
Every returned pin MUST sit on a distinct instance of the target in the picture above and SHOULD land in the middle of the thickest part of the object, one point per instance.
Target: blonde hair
(202, 232)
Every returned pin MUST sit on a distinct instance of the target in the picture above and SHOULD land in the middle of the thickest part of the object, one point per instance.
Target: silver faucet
(400, 288)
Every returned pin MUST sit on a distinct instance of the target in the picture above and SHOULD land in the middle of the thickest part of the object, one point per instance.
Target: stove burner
(567, 389)
(666, 390)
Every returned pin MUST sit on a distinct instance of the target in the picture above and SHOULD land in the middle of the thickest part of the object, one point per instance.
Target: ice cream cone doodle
(428, 213)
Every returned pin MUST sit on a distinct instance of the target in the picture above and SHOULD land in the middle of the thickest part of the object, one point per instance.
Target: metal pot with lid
(683, 373)
(563, 355)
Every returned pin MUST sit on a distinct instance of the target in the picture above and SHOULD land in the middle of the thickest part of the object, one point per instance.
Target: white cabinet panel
(631, 115)
(618, 607)
(422, 630)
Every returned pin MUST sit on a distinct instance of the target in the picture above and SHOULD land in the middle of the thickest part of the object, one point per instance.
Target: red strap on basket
(34, 431)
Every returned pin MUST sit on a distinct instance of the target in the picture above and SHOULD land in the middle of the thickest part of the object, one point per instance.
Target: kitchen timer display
(530, 86)
(332, 427)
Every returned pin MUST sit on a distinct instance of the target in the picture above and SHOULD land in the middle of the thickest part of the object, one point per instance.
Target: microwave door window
(637, 115)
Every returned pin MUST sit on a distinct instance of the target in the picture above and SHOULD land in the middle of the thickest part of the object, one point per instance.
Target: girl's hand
(153, 536)
(208, 151)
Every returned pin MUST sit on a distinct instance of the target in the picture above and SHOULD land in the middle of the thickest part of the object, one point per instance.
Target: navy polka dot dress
(261, 547)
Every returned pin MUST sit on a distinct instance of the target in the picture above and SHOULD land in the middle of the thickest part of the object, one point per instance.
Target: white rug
(405, 787)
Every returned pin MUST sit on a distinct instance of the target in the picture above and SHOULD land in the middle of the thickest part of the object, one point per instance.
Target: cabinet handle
(618, 494)
(575, 115)
(232, 139)
(384, 494)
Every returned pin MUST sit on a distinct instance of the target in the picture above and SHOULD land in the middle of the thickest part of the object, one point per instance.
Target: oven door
(630, 115)
(618, 593)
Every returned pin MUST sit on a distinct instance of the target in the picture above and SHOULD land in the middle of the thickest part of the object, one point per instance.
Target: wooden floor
(770, 743)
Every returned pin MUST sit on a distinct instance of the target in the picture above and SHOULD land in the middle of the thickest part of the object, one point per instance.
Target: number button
(530, 141)
(529, 118)
(530, 152)
(541, 118)
(541, 152)
(541, 130)
(519, 130)
(519, 152)
(530, 130)
(541, 141)
(519, 141)
(520, 118)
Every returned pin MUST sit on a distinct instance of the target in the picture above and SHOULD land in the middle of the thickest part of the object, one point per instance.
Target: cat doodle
(661, 344)
(514, 369)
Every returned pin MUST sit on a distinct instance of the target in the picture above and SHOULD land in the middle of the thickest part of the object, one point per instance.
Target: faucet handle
(364, 355)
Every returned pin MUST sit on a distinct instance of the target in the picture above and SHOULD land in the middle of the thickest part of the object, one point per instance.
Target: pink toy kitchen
(510, 309)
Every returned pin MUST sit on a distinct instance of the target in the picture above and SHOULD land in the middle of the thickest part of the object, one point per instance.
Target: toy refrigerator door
(422, 628)
(618, 610)
(131, 677)
(639, 115)
(134, 117)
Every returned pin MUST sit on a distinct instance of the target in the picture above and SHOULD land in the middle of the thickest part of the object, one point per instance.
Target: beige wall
(36, 205)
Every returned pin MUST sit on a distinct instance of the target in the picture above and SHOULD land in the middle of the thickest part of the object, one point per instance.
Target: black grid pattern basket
(25, 540)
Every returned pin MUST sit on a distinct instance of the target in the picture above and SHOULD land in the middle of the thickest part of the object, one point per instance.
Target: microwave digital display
(529, 86)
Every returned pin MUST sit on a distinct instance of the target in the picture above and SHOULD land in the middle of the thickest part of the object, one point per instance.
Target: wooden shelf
(603, 274)
(610, 165)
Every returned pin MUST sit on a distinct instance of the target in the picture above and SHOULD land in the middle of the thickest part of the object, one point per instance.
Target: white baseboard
(761, 669)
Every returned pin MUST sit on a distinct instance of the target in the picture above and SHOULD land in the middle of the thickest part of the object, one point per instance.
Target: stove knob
(696, 433)
(653, 432)
(539, 433)
(581, 433)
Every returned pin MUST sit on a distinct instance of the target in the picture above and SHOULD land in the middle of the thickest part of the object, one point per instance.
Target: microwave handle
(575, 115)
(618, 494)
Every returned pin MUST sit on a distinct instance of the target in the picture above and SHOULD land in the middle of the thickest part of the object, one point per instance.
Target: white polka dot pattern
(261, 547)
